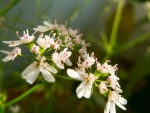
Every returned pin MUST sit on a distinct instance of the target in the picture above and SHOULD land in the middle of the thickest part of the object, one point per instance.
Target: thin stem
(46, 51)
(64, 77)
(32, 90)
(24, 94)
(116, 26)
(9, 6)
(107, 57)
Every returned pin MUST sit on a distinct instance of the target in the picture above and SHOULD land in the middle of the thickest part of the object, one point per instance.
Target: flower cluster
(51, 46)
(103, 77)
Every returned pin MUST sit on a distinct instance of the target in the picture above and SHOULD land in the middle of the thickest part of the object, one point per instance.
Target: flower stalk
(25, 94)
(115, 28)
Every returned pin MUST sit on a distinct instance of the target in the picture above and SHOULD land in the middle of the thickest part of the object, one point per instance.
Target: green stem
(9, 6)
(107, 57)
(64, 77)
(116, 26)
(46, 51)
(25, 94)
(32, 90)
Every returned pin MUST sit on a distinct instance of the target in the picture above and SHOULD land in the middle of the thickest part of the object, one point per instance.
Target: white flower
(62, 29)
(106, 68)
(84, 44)
(114, 98)
(57, 60)
(89, 61)
(62, 57)
(35, 49)
(84, 89)
(103, 87)
(47, 26)
(47, 42)
(113, 84)
(23, 40)
(73, 33)
(83, 52)
(33, 70)
(11, 54)
(44, 42)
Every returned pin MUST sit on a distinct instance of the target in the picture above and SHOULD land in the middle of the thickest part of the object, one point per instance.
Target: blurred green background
(95, 20)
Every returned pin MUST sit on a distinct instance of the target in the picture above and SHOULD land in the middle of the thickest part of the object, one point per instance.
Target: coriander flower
(113, 84)
(33, 70)
(106, 68)
(35, 49)
(25, 39)
(47, 26)
(88, 62)
(103, 87)
(47, 42)
(63, 56)
(83, 52)
(85, 87)
(73, 33)
(114, 98)
(11, 54)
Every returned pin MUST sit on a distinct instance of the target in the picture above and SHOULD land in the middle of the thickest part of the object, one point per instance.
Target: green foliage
(1, 107)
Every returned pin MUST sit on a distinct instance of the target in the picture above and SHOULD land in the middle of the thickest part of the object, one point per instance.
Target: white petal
(80, 90)
(13, 43)
(40, 26)
(107, 107)
(7, 58)
(59, 65)
(122, 100)
(115, 77)
(118, 90)
(5, 52)
(41, 29)
(112, 107)
(87, 91)
(121, 106)
(69, 53)
(65, 49)
(47, 75)
(81, 73)
(31, 67)
(73, 74)
(117, 83)
(31, 77)
(47, 24)
(50, 68)
(68, 62)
